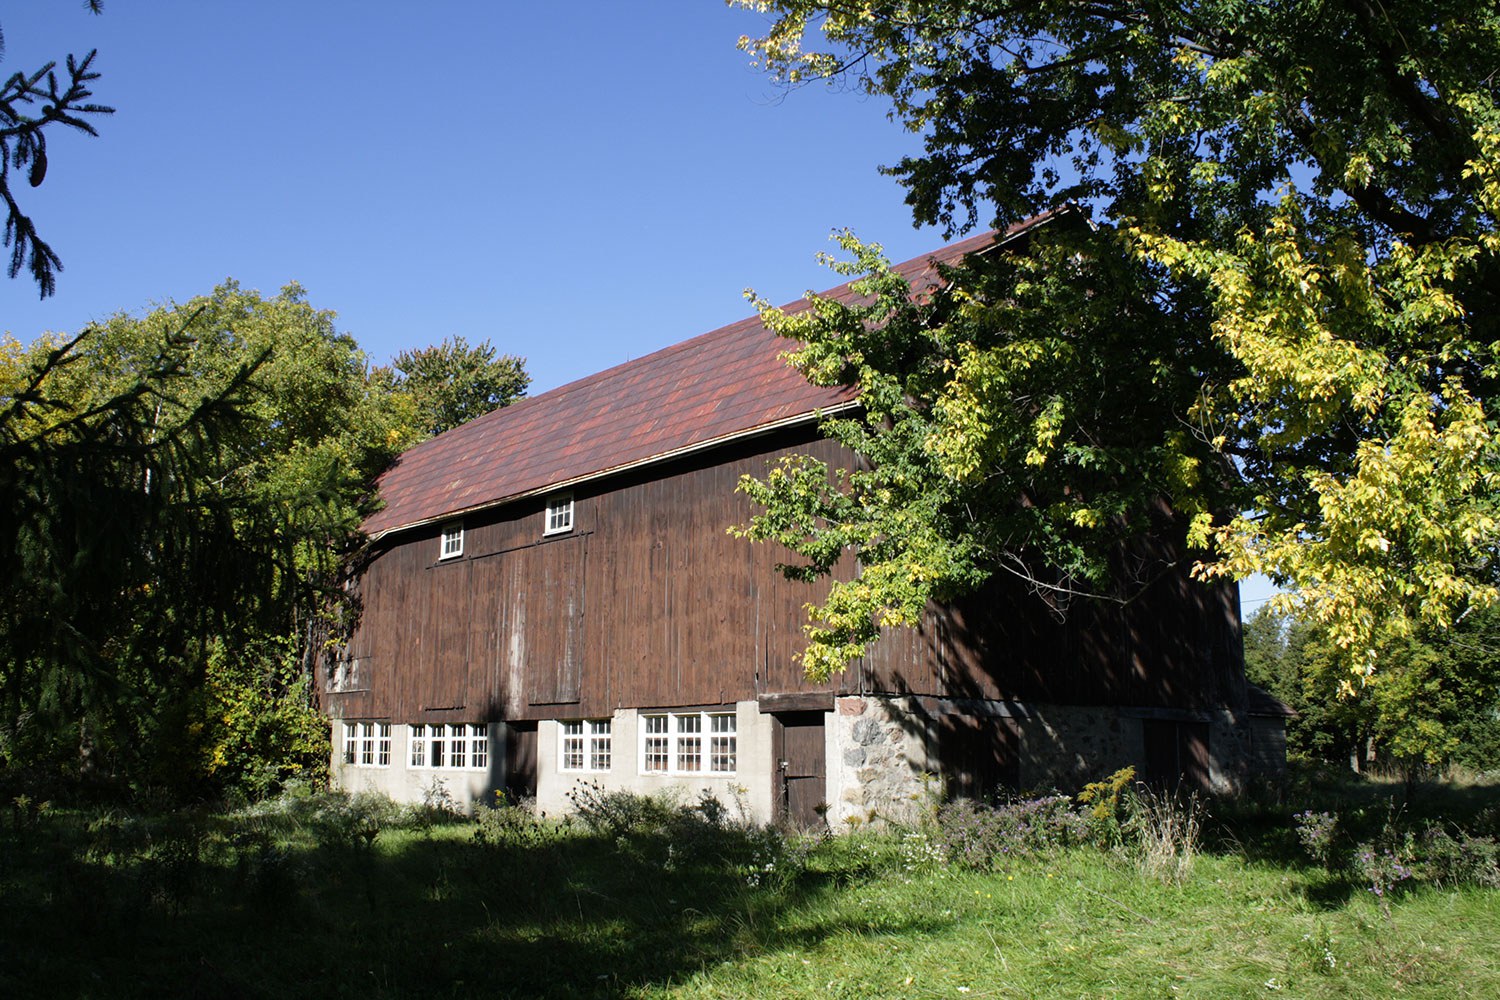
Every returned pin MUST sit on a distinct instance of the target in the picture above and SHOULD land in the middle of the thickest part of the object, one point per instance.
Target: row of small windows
(557, 519)
(675, 743)
(460, 746)
(671, 743)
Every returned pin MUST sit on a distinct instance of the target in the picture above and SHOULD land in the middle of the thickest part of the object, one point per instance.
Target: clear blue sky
(577, 183)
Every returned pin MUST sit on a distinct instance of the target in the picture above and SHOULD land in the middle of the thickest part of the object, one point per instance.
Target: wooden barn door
(800, 779)
(520, 760)
(978, 756)
(1176, 754)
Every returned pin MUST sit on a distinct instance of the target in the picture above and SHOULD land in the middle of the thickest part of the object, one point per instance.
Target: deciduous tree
(177, 491)
(1306, 193)
(451, 383)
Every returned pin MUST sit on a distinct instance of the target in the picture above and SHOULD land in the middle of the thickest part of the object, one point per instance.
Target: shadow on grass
(418, 914)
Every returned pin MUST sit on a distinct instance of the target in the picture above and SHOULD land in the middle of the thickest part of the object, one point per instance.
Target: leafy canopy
(1307, 191)
(176, 491)
(451, 383)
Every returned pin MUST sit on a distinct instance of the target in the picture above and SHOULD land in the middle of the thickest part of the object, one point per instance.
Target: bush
(982, 837)
(513, 824)
(1317, 832)
(1458, 858)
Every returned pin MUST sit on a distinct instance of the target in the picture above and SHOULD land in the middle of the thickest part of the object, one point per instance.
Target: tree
(1435, 701)
(30, 105)
(451, 383)
(1307, 191)
(177, 492)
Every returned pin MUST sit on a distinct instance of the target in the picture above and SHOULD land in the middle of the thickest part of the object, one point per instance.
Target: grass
(283, 905)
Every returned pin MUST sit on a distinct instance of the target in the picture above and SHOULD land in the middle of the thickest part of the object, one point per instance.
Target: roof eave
(666, 456)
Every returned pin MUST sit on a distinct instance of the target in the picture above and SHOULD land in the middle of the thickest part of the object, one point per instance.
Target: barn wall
(650, 603)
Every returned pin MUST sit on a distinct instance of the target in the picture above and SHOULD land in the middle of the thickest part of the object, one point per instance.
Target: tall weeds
(1164, 830)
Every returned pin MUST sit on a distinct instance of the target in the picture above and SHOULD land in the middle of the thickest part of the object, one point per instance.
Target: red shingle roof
(716, 386)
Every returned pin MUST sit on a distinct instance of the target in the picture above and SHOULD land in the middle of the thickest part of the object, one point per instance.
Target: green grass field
(278, 905)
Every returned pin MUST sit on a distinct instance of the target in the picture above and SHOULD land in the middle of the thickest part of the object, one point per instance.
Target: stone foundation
(880, 766)
(883, 765)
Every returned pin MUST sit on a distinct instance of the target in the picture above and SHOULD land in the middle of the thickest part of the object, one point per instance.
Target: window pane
(479, 745)
(599, 745)
(418, 740)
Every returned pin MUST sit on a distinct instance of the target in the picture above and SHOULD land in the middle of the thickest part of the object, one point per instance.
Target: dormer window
(559, 515)
(453, 541)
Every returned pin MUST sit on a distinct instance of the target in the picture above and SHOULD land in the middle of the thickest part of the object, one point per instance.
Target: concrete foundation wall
(748, 788)
(464, 787)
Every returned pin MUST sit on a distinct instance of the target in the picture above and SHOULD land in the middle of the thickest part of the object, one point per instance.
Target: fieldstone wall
(883, 763)
(1067, 746)
(880, 769)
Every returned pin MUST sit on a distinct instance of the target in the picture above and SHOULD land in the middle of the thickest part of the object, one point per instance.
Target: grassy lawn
(108, 905)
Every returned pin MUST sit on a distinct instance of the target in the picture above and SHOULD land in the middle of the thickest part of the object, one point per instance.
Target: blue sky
(579, 184)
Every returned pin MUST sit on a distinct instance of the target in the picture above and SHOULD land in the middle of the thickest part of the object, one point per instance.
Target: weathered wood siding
(649, 602)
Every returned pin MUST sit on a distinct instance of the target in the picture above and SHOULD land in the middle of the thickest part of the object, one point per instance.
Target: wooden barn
(551, 597)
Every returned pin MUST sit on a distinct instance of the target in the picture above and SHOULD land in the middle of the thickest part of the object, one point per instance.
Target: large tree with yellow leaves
(1284, 324)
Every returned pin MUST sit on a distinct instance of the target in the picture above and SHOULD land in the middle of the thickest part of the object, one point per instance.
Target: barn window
(586, 745)
(458, 747)
(453, 541)
(656, 754)
(559, 515)
(674, 744)
(367, 744)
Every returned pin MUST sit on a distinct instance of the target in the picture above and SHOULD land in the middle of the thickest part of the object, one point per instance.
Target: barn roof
(701, 392)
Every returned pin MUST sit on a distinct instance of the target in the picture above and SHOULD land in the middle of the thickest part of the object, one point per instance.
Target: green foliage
(179, 490)
(1306, 193)
(516, 825)
(437, 388)
(1106, 805)
(1021, 423)
(1433, 704)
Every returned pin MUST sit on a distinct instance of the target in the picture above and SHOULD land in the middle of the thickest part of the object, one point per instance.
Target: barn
(550, 597)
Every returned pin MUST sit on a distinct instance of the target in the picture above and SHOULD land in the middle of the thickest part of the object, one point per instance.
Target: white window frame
(589, 741)
(451, 541)
(450, 746)
(367, 744)
(694, 744)
(558, 517)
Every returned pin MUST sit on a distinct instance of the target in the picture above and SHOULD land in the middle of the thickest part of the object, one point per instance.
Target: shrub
(1384, 871)
(1458, 858)
(981, 837)
(515, 824)
(1317, 832)
(1104, 800)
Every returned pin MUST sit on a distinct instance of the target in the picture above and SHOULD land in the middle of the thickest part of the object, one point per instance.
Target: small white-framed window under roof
(559, 516)
(451, 545)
